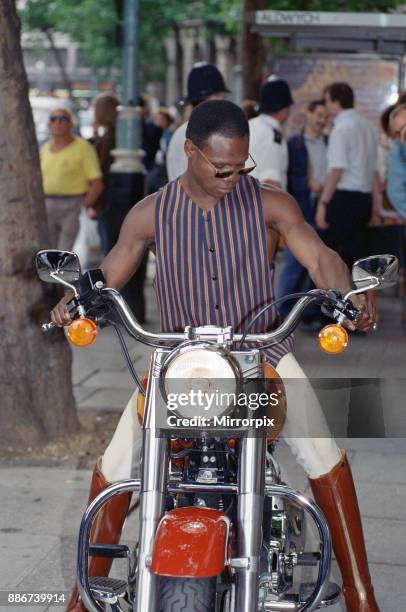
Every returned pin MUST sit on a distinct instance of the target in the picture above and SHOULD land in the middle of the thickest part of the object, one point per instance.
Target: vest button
(216, 307)
(214, 278)
(211, 249)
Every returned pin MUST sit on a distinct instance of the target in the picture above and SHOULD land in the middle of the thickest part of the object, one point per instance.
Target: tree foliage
(94, 24)
(158, 18)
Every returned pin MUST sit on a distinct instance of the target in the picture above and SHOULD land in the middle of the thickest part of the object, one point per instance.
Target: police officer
(205, 82)
(267, 145)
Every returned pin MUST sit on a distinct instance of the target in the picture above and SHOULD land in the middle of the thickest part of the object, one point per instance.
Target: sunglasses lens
(243, 171)
(60, 119)
(246, 170)
(224, 175)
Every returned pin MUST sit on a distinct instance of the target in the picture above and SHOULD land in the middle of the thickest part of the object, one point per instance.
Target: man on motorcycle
(211, 230)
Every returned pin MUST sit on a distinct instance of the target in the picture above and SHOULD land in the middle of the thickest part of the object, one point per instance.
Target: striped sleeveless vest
(212, 266)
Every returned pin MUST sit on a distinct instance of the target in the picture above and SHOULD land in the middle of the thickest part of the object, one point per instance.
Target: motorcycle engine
(283, 540)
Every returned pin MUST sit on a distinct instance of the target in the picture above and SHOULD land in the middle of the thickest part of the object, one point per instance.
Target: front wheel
(187, 594)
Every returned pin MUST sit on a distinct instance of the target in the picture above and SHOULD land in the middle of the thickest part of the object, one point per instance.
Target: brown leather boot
(335, 495)
(106, 529)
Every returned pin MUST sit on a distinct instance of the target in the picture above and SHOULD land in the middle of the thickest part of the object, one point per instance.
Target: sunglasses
(220, 174)
(59, 119)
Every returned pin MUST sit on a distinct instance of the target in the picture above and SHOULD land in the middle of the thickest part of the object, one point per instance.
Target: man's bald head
(60, 123)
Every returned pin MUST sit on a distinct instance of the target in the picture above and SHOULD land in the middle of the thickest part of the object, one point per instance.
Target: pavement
(41, 506)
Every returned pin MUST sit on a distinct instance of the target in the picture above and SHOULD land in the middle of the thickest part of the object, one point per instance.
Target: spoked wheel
(187, 594)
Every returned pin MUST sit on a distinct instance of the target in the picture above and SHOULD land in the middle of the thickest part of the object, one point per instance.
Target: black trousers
(348, 215)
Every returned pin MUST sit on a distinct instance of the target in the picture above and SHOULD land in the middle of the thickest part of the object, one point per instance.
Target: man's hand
(366, 304)
(315, 186)
(320, 218)
(91, 213)
(60, 315)
(375, 220)
(95, 189)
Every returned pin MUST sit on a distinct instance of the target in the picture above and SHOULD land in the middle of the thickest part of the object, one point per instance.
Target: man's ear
(189, 148)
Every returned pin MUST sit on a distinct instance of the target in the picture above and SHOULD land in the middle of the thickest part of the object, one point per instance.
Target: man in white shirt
(351, 193)
(205, 82)
(267, 145)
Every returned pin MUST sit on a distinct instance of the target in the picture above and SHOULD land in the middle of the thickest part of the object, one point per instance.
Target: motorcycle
(219, 531)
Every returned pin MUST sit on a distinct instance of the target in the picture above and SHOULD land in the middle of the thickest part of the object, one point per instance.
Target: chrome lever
(48, 326)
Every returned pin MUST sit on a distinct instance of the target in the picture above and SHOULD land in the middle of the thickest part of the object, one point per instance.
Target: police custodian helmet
(274, 95)
(204, 80)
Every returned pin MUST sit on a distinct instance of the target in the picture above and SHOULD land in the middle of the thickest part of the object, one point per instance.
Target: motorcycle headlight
(200, 381)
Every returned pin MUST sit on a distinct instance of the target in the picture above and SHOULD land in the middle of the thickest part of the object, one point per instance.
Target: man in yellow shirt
(71, 178)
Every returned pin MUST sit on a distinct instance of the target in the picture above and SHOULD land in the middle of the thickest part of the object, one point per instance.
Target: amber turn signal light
(82, 332)
(333, 339)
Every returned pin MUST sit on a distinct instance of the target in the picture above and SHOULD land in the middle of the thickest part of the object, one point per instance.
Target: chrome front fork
(249, 521)
(152, 497)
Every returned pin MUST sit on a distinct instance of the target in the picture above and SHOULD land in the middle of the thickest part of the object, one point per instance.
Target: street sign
(331, 31)
(324, 19)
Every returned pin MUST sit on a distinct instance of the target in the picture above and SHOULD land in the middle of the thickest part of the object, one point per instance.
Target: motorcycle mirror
(376, 272)
(58, 267)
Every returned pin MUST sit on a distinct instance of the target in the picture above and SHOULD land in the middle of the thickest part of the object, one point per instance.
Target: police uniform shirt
(176, 160)
(269, 149)
(353, 148)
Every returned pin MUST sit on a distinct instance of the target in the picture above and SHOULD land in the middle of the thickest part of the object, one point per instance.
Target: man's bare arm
(96, 187)
(329, 188)
(376, 215)
(137, 233)
(325, 266)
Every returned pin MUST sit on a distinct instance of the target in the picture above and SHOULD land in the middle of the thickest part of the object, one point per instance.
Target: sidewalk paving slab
(108, 399)
(110, 379)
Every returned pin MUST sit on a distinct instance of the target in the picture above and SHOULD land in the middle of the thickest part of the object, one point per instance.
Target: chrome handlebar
(291, 321)
(134, 328)
(172, 339)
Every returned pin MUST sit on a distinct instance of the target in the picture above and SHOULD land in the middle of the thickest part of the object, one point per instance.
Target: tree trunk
(35, 369)
(252, 52)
